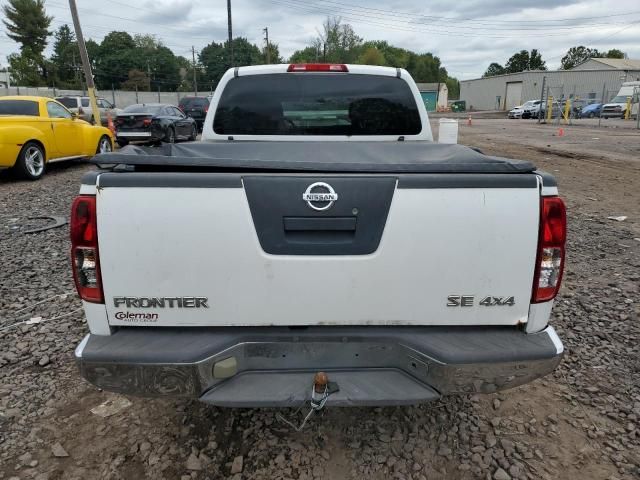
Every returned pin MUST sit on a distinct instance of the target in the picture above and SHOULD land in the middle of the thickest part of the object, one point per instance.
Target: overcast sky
(467, 35)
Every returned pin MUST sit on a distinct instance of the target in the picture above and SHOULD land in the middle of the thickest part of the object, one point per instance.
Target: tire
(194, 133)
(591, 115)
(122, 142)
(170, 136)
(31, 161)
(104, 145)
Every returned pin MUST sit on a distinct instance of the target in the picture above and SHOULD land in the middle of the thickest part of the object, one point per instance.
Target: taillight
(317, 67)
(551, 249)
(85, 258)
(206, 108)
(146, 122)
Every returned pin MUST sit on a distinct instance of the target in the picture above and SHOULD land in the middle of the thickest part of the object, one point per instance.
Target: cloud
(472, 34)
(167, 11)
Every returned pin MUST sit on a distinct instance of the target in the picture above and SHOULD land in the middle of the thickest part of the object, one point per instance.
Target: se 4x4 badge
(488, 301)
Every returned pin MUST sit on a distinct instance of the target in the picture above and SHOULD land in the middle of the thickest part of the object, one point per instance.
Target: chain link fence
(573, 104)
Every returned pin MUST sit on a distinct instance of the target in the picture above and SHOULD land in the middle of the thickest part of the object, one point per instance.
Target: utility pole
(266, 37)
(195, 80)
(149, 74)
(230, 31)
(86, 66)
(544, 81)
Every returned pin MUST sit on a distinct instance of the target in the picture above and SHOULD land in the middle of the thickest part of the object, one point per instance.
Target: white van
(618, 105)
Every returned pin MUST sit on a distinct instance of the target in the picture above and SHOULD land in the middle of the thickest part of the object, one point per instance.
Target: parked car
(82, 106)
(516, 112)
(315, 241)
(196, 108)
(36, 131)
(618, 105)
(590, 111)
(154, 122)
(531, 109)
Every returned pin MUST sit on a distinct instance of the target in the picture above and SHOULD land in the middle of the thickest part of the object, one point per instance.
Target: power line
(592, 42)
(133, 20)
(402, 27)
(362, 16)
(412, 16)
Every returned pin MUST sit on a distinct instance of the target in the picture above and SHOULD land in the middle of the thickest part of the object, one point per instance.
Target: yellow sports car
(35, 131)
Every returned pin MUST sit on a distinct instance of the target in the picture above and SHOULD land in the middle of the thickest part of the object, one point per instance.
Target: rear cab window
(317, 104)
(19, 107)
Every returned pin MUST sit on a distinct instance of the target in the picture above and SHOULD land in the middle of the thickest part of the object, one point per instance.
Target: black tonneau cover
(347, 156)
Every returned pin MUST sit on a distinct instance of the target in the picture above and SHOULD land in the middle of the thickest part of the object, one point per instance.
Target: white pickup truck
(317, 227)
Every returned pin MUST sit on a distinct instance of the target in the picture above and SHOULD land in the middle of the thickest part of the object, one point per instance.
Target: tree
(274, 53)
(494, 69)
(117, 54)
(535, 61)
(615, 53)
(65, 61)
(306, 55)
(453, 87)
(578, 55)
(372, 56)
(394, 56)
(28, 24)
(215, 57)
(338, 42)
(426, 68)
(523, 60)
(158, 61)
(137, 78)
(25, 69)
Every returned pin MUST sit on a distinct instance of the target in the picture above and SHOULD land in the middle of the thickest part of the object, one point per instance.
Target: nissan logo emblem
(320, 196)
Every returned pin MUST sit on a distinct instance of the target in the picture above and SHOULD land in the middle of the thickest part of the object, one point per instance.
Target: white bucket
(448, 131)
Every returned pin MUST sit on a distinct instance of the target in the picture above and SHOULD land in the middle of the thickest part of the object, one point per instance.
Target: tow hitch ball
(320, 392)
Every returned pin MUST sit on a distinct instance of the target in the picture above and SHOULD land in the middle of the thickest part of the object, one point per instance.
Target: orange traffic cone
(561, 132)
(469, 120)
(110, 124)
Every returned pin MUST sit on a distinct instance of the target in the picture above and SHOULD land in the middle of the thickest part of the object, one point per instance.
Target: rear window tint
(69, 102)
(194, 102)
(84, 102)
(19, 107)
(317, 104)
(151, 109)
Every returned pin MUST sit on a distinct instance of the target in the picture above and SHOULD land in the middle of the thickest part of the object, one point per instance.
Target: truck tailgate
(179, 249)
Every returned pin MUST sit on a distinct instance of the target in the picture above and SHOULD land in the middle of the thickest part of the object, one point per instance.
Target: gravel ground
(582, 421)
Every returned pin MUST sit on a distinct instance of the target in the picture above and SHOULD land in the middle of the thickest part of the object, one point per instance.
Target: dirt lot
(580, 422)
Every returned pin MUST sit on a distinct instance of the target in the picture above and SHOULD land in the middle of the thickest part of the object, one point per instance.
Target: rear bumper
(140, 136)
(274, 366)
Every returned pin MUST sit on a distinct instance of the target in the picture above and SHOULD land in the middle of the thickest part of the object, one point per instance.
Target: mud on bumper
(274, 366)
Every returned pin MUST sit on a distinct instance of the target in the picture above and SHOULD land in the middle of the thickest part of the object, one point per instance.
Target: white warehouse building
(585, 82)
